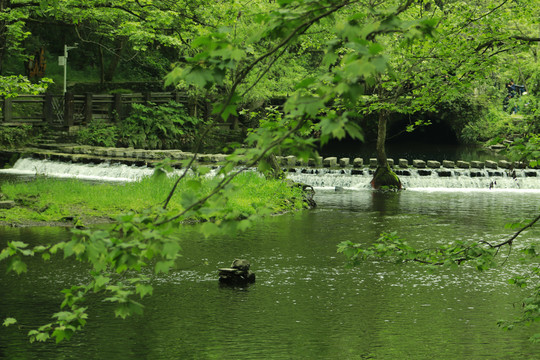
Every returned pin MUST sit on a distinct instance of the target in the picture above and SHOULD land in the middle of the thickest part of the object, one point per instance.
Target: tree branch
(509, 241)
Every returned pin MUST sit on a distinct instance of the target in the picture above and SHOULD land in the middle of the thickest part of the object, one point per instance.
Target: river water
(305, 304)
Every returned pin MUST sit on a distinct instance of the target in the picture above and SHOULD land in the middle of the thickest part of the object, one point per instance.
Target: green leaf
(17, 265)
(17, 244)
(42, 337)
(244, 225)
(6, 252)
(100, 282)
(171, 250)
(209, 228)
(9, 321)
(163, 266)
(144, 290)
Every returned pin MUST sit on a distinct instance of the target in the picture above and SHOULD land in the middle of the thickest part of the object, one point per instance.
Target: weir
(422, 179)
(97, 172)
(319, 178)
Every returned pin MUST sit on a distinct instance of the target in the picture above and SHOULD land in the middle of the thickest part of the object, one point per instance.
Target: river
(305, 304)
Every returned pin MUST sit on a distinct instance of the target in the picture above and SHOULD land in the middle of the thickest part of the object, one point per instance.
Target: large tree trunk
(106, 73)
(382, 160)
(101, 65)
(113, 64)
(384, 177)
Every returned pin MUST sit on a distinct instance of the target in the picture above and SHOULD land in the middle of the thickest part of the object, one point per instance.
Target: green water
(305, 303)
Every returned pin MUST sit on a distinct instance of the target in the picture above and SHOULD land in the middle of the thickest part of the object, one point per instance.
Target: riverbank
(71, 202)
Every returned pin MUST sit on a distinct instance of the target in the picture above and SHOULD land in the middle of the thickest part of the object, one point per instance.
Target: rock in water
(237, 274)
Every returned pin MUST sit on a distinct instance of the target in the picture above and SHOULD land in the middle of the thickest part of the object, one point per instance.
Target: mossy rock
(385, 178)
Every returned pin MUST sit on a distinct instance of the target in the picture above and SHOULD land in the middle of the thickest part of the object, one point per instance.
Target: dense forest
(340, 70)
(442, 63)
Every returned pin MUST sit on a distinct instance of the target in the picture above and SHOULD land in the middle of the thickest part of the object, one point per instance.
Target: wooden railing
(71, 109)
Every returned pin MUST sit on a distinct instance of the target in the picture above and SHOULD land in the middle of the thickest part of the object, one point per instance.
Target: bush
(11, 137)
(499, 123)
(98, 133)
(159, 127)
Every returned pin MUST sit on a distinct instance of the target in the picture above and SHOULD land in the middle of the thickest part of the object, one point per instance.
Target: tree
(466, 43)
(13, 15)
(137, 238)
(361, 52)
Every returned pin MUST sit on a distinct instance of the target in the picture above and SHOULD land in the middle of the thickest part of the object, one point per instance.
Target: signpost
(62, 61)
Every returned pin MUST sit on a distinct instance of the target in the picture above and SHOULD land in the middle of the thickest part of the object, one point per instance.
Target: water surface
(305, 304)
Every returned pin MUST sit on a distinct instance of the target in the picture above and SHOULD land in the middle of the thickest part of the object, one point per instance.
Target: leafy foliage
(16, 136)
(98, 133)
(159, 127)
(370, 58)
(11, 86)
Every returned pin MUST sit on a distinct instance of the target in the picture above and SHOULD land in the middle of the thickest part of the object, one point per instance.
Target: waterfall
(423, 179)
(320, 178)
(98, 172)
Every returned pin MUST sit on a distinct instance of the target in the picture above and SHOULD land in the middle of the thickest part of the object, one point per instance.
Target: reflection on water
(305, 304)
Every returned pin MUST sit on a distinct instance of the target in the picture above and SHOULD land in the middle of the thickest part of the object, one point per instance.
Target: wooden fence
(73, 110)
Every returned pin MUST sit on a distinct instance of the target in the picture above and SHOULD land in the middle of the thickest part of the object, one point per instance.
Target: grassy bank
(47, 200)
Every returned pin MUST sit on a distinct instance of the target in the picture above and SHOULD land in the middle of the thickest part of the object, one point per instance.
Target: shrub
(98, 133)
(11, 137)
(159, 127)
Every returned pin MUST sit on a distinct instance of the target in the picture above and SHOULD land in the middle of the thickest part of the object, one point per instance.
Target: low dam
(114, 164)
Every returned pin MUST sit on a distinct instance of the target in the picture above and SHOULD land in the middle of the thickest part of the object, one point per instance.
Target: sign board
(61, 61)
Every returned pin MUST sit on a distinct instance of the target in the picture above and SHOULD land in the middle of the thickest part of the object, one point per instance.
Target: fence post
(68, 109)
(48, 109)
(147, 97)
(8, 109)
(117, 107)
(192, 106)
(88, 108)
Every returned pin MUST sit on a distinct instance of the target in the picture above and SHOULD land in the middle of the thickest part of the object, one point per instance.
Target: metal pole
(65, 66)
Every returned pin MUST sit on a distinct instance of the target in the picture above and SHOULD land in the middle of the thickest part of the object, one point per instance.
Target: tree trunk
(384, 177)
(270, 167)
(382, 160)
(101, 66)
(113, 64)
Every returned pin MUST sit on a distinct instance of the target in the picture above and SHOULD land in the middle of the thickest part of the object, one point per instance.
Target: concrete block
(477, 164)
(420, 164)
(358, 162)
(463, 164)
(290, 160)
(448, 164)
(330, 161)
(403, 163)
(343, 162)
(433, 164)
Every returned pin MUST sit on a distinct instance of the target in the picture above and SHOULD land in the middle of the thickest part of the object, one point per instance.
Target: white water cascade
(321, 178)
(424, 180)
(96, 172)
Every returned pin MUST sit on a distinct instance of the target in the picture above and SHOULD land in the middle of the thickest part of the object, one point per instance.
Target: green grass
(55, 200)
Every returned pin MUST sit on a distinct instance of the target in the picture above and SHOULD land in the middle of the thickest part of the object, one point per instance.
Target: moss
(385, 178)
